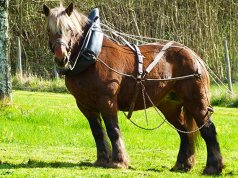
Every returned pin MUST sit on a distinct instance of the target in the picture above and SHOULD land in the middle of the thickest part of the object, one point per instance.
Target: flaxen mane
(60, 22)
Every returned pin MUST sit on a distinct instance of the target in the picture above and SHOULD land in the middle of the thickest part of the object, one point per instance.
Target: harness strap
(140, 72)
(140, 58)
(138, 53)
(59, 41)
(158, 57)
(133, 102)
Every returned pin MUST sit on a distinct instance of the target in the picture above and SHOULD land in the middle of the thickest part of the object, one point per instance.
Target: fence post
(56, 74)
(19, 67)
(228, 66)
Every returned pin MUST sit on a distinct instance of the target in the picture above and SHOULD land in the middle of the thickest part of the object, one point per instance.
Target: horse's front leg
(109, 114)
(103, 147)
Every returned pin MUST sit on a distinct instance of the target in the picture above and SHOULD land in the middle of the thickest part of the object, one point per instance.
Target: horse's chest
(82, 90)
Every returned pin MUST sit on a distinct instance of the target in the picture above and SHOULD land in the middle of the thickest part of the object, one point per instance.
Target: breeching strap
(158, 57)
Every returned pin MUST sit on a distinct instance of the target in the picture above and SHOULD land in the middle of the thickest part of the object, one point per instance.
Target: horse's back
(178, 61)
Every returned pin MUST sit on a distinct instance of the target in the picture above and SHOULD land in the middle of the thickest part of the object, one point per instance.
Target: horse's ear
(69, 9)
(46, 10)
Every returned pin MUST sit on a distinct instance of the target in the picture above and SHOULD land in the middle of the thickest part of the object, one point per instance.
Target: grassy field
(45, 135)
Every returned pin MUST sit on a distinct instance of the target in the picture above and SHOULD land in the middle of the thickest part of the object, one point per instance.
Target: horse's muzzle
(63, 63)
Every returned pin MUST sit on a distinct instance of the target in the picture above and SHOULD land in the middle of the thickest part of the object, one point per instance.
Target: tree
(5, 82)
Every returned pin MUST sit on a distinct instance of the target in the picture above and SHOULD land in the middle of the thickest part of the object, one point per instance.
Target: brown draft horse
(100, 92)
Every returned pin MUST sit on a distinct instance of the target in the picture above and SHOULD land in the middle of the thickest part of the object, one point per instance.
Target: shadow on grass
(81, 165)
(41, 164)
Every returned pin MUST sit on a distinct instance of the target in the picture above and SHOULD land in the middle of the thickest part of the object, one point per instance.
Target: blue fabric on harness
(93, 42)
(91, 47)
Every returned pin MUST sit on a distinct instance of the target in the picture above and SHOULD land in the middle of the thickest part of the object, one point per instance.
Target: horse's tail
(191, 127)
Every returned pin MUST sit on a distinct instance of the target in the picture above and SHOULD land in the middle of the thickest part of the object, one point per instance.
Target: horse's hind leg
(173, 113)
(186, 159)
(103, 147)
(214, 163)
(197, 104)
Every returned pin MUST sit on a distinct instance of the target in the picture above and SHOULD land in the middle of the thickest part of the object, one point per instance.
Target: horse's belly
(151, 96)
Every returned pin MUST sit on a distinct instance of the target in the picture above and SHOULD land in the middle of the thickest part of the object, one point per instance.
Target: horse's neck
(108, 41)
(79, 41)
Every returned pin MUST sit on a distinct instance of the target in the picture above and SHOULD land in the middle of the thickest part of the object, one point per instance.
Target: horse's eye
(59, 32)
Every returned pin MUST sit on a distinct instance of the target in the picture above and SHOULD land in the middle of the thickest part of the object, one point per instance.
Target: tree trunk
(5, 80)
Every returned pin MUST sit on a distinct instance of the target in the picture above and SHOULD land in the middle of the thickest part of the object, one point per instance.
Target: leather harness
(141, 74)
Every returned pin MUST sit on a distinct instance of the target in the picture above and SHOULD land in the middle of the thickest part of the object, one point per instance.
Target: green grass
(45, 135)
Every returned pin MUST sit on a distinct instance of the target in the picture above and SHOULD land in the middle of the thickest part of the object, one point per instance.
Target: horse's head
(65, 26)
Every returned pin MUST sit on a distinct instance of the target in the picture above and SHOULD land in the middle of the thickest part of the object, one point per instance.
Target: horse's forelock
(60, 22)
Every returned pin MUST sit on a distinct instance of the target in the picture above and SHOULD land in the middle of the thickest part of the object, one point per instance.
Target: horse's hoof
(120, 165)
(108, 164)
(181, 167)
(212, 171)
(102, 163)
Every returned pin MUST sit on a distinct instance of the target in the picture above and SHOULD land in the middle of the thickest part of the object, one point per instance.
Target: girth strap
(140, 71)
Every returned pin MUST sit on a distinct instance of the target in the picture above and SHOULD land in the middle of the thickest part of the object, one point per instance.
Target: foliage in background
(199, 24)
(35, 83)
